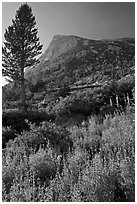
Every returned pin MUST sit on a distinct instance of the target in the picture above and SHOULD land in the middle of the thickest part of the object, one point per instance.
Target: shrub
(43, 164)
(57, 137)
(120, 135)
(14, 163)
(7, 134)
(16, 122)
(14, 119)
(45, 175)
(88, 137)
(7, 178)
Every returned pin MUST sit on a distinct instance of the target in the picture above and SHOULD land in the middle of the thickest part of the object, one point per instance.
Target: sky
(92, 20)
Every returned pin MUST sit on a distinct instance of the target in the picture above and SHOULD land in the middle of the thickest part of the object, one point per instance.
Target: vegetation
(76, 147)
(74, 143)
(98, 164)
(111, 97)
(21, 48)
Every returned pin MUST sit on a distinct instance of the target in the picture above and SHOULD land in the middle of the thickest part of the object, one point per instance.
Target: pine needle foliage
(21, 47)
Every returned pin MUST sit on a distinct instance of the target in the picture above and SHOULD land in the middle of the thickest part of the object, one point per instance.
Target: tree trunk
(23, 92)
(23, 97)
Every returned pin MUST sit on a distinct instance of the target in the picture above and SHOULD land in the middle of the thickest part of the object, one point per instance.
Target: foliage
(16, 118)
(21, 47)
(70, 146)
(46, 133)
(99, 168)
(15, 121)
(43, 164)
(96, 101)
(7, 134)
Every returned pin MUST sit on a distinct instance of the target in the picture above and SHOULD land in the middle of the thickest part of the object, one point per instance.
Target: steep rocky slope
(69, 59)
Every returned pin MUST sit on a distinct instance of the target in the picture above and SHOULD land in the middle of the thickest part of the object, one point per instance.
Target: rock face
(59, 45)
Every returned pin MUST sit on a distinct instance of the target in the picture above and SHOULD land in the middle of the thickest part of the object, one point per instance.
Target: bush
(120, 136)
(15, 163)
(44, 165)
(7, 134)
(47, 133)
(7, 177)
(17, 121)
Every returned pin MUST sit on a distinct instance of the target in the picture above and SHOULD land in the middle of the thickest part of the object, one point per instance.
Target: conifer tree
(21, 48)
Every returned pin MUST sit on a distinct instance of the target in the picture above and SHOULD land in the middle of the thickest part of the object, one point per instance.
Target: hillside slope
(69, 59)
(72, 60)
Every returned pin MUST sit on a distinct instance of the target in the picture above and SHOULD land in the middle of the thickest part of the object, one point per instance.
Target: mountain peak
(59, 45)
(77, 53)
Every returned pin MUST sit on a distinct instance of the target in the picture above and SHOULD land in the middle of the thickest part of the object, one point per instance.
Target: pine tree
(21, 48)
